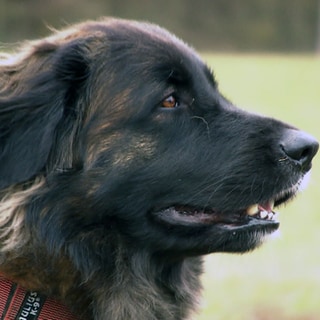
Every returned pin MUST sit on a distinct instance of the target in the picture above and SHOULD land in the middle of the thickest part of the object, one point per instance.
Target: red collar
(19, 304)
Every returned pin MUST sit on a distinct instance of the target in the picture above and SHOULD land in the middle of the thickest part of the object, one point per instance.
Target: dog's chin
(237, 230)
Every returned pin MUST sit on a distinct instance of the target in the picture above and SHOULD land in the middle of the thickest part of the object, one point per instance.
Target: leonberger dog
(122, 165)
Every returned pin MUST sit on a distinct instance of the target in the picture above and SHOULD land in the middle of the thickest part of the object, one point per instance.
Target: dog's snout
(299, 147)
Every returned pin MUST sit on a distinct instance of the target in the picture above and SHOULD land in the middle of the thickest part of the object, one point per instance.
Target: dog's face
(138, 144)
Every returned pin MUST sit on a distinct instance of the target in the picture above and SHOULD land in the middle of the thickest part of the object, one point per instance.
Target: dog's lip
(259, 213)
(189, 216)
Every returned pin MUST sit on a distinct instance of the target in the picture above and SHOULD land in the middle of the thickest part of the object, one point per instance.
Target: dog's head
(136, 145)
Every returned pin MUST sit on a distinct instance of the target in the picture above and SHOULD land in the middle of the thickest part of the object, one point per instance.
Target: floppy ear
(34, 98)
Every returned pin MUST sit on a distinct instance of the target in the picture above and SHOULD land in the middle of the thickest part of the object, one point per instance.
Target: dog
(122, 165)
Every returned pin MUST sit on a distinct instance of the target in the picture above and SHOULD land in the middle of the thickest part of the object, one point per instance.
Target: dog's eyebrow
(177, 77)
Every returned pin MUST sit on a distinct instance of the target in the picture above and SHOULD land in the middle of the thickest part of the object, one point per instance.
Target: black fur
(121, 195)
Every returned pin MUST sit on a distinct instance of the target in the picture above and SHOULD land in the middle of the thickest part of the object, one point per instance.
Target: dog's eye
(170, 102)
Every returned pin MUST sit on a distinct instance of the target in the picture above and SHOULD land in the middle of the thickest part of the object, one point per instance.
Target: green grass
(281, 280)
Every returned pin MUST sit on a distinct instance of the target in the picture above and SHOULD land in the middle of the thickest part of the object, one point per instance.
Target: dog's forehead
(139, 33)
(146, 44)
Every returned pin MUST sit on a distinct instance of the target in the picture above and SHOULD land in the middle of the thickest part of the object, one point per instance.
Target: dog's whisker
(205, 122)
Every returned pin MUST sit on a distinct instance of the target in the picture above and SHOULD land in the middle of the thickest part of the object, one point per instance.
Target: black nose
(299, 147)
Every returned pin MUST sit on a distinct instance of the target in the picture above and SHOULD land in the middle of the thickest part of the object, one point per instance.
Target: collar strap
(18, 304)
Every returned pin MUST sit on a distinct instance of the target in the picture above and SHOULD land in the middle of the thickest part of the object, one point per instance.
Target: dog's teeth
(263, 214)
(252, 210)
(275, 216)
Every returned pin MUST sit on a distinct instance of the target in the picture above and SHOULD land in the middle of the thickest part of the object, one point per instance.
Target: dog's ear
(35, 95)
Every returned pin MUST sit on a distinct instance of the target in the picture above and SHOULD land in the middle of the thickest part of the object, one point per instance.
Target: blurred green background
(265, 57)
(246, 25)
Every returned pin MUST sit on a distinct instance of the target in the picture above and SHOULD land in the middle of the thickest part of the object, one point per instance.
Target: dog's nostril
(300, 147)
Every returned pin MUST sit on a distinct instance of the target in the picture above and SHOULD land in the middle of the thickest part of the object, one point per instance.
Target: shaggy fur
(122, 164)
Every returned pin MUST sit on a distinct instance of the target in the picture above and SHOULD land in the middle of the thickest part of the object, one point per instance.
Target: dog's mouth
(259, 215)
(192, 216)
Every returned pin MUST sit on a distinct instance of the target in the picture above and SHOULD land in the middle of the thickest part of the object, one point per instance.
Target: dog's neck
(17, 303)
(141, 292)
(146, 290)
(35, 271)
